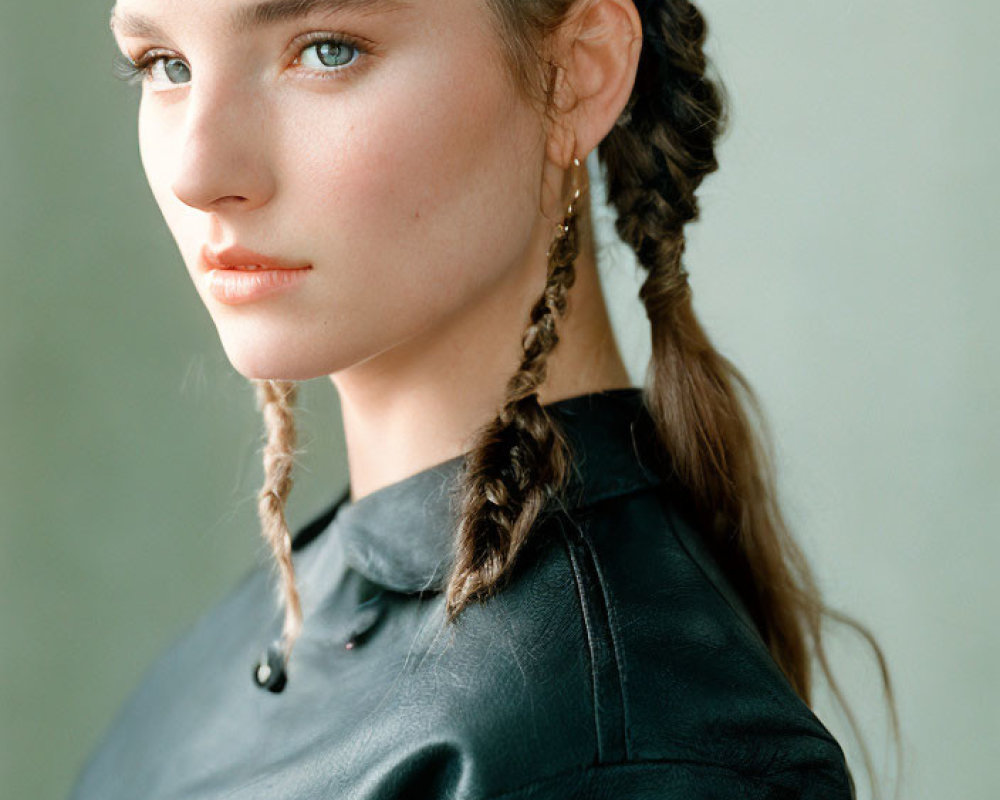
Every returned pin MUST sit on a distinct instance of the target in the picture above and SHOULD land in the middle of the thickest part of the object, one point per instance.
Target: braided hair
(520, 459)
(276, 400)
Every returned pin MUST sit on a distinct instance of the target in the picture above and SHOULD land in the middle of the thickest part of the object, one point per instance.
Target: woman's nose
(223, 157)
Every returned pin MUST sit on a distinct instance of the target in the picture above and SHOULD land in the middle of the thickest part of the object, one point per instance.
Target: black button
(269, 673)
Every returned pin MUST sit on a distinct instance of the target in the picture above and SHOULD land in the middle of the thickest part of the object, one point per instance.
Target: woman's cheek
(403, 189)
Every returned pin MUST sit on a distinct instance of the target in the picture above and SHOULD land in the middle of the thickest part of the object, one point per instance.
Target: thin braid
(520, 458)
(276, 400)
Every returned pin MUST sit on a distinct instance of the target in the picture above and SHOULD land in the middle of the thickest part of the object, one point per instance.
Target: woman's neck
(419, 403)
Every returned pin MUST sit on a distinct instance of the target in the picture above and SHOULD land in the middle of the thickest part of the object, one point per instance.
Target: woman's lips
(238, 275)
(238, 286)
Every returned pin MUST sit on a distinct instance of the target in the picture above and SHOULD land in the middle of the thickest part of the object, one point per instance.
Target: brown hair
(702, 406)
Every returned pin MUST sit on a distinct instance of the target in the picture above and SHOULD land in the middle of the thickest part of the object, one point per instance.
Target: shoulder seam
(615, 648)
(575, 569)
(604, 666)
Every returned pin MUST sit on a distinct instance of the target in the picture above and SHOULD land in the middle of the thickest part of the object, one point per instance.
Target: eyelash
(139, 70)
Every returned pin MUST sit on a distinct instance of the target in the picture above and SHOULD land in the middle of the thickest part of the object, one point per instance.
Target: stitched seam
(664, 762)
(619, 656)
(578, 580)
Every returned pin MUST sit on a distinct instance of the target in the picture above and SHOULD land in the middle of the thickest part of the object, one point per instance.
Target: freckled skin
(415, 186)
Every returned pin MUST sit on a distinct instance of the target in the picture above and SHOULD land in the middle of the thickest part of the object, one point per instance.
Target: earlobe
(605, 39)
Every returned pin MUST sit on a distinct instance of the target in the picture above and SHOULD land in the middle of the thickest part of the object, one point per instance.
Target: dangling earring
(567, 225)
(564, 248)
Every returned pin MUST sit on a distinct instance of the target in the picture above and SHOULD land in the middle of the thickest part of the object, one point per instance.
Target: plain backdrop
(845, 260)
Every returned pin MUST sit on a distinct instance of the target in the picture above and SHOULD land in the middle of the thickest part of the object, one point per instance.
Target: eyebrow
(249, 17)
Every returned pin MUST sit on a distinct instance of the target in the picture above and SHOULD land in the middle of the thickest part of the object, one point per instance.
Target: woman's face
(380, 143)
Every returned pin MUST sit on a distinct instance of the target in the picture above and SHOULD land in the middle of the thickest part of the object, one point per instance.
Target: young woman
(542, 581)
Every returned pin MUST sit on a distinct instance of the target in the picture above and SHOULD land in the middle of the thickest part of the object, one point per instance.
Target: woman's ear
(599, 45)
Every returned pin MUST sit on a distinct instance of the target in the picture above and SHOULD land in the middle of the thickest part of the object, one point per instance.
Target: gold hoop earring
(569, 218)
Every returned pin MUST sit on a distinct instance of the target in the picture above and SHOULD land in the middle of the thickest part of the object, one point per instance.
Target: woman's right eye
(149, 65)
(175, 70)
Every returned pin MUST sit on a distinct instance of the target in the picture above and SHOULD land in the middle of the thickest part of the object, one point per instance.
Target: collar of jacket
(401, 536)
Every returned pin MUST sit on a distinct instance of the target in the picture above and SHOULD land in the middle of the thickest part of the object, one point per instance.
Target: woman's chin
(273, 361)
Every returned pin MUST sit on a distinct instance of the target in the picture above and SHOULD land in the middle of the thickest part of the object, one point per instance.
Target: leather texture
(617, 662)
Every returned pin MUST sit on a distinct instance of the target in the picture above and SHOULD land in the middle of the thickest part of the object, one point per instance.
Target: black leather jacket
(617, 663)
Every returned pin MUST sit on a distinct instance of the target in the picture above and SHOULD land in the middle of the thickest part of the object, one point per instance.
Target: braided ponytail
(655, 162)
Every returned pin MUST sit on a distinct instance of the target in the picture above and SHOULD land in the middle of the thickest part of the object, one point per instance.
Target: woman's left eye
(329, 55)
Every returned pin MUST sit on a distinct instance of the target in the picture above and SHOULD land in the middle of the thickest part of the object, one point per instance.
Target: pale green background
(846, 260)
